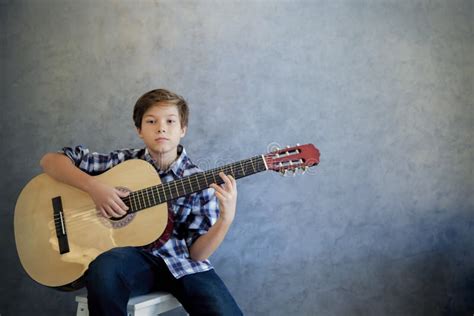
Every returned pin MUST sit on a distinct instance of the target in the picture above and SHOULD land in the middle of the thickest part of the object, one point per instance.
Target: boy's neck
(165, 160)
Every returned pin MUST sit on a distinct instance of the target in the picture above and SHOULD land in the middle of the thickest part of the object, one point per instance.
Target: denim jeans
(120, 273)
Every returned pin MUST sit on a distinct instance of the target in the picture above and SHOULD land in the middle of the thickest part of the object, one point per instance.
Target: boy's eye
(150, 121)
(171, 121)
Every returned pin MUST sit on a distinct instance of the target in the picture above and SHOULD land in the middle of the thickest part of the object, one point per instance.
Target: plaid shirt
(193, 214)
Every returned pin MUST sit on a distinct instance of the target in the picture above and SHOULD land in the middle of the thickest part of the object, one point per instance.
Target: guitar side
(89, 234)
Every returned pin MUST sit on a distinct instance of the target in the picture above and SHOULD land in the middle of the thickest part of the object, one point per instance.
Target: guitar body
(88, 233)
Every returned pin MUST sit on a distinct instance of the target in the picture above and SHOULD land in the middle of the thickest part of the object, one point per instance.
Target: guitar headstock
(291, 159)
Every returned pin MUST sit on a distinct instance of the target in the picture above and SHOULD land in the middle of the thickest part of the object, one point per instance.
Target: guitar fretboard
(149, 197)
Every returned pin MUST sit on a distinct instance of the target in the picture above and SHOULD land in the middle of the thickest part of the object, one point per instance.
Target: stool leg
(82, 309)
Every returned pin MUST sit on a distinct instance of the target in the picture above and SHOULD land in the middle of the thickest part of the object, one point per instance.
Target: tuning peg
(304, 169)
(282, 171)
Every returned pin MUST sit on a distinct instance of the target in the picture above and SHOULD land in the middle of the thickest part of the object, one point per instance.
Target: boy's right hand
(108, 199)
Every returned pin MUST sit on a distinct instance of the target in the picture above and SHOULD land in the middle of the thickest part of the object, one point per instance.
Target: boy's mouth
(161, 139)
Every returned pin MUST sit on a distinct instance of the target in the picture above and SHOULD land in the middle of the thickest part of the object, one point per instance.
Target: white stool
(145, 305)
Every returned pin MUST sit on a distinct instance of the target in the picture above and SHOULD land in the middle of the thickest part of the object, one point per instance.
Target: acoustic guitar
(58, 230)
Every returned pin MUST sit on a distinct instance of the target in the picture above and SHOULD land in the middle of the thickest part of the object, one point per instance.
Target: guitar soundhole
(118, 222)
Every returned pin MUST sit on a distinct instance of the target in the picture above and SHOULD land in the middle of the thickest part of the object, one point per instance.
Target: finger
(121, 204)
(102, 211)
(219, 196)
(122, 193)
(234, 183)
(111, 212)
(226, 179)
(220, 193)
(227, 185)
(217, 188)
(117, 208)
(224, 195)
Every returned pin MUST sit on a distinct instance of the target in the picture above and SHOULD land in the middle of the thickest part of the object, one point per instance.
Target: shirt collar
(177, 167)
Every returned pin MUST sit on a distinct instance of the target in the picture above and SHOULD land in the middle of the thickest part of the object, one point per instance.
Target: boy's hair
(160, 95)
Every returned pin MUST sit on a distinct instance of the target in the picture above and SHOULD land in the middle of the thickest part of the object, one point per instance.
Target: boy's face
(161, 130)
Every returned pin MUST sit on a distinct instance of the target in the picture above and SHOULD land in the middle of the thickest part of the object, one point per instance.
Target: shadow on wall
(455, 241)
(461, 297)
(435, 273)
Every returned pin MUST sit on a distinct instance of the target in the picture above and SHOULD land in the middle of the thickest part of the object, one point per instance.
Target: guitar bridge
(60, 225)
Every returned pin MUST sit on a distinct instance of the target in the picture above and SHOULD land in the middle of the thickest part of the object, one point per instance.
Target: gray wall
(385, 224)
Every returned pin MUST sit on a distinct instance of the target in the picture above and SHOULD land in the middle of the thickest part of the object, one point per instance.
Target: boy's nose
(160, 129)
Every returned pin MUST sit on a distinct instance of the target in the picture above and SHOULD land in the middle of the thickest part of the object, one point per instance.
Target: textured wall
(385, 224)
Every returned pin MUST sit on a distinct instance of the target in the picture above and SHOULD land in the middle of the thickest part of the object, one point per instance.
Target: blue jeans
(120, 273)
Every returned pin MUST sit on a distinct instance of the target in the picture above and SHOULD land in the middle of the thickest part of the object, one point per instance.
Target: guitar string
(198, 180)
(153, 191)
(89, 211)
(142, 193)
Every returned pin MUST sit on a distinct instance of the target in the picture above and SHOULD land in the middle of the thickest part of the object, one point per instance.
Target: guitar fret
(164, 191)
(171, 192)
(160, 197)
(220, 170)
(148, 199)
(243, 171)
(130, 198)
(138, 200)
(133, 201)
(142, 196)
(137, 204)
(153, 195)
(176, 187)
(190, 184)
(167, 186)
(224, 169)
(253, 166)
(197, 180)
(235, 171)
(182, 184)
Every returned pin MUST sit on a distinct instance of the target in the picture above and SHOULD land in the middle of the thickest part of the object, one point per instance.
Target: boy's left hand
(227, 196)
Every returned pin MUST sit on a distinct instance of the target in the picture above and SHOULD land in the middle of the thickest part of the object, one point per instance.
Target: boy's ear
(139, 132)
(183, 131)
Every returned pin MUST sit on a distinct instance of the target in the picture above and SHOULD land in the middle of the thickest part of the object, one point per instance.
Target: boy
(179, 265)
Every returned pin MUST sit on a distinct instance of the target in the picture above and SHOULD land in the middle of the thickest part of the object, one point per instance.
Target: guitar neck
(161, 193)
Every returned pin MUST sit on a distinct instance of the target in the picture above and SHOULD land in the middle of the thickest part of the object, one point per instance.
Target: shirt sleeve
(95, 163)
(203, 215)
